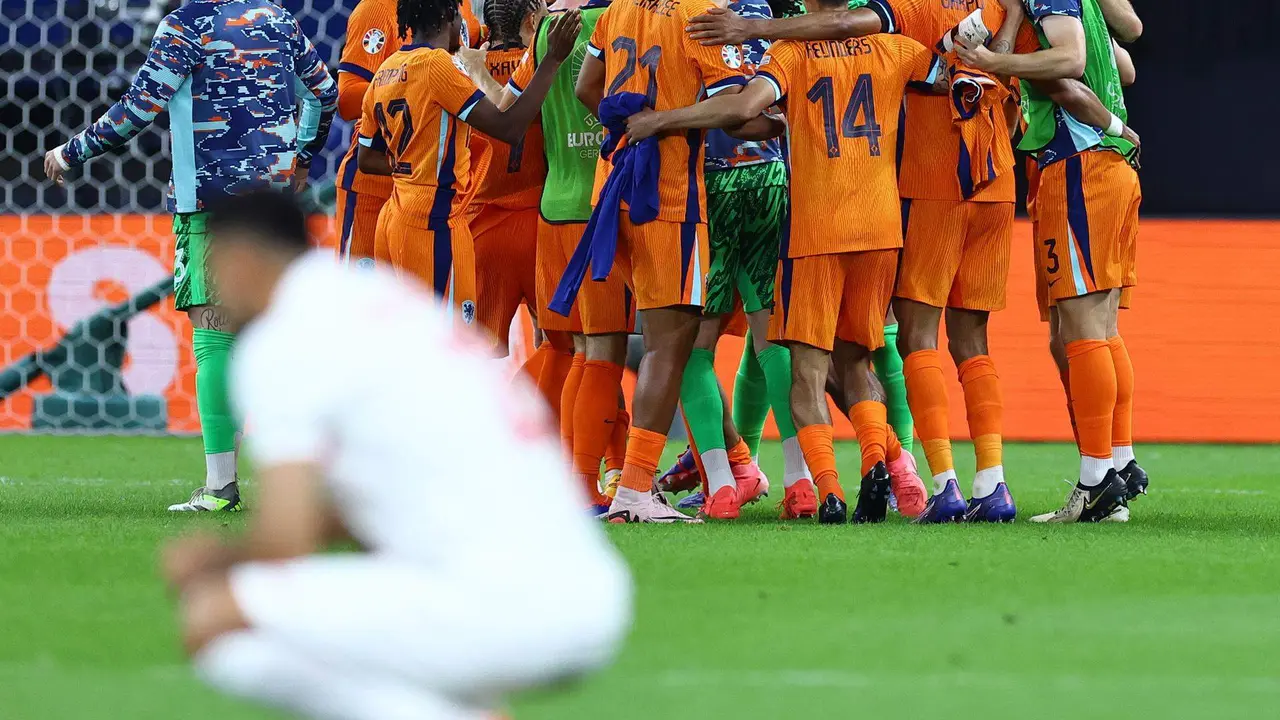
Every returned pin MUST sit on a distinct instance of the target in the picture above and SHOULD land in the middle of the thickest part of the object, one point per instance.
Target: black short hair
(271, 218)
(425, 15)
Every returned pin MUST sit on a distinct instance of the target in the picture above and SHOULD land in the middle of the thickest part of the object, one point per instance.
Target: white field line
(90, 482)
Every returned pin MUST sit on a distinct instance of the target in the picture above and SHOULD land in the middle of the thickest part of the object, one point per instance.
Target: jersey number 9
(861, 101)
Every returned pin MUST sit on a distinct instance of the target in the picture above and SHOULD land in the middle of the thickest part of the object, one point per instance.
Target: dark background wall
(1206, 104)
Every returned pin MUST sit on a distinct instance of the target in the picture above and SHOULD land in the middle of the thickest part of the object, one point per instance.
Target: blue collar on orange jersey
(634, 179)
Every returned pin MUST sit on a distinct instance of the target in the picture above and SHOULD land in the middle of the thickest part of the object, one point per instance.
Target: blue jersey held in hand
(232, 74)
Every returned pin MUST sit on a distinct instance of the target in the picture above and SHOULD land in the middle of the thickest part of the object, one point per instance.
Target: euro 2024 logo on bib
(732, 56)
(373, 41)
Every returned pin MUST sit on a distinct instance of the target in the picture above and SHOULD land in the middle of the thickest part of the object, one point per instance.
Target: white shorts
(474, 640)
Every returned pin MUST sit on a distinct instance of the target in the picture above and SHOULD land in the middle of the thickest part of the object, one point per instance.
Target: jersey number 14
(861, 102)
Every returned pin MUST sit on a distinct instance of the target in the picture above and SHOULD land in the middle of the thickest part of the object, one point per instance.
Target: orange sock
(569, 400)
(1065, 376)
(740, 454)
(644, 451)
(985, 409)
(820, 456)
(892, 446)
(615, 454)
(927, 398)
(1093, 394)
(1122, 424)
(593, 413)
(533, 366)
(870, 420)
(551, 379)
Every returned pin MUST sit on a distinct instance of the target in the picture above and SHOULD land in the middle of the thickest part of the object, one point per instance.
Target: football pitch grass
(1175, 615)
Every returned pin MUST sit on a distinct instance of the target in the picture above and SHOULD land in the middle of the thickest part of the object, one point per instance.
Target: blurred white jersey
(431, 455)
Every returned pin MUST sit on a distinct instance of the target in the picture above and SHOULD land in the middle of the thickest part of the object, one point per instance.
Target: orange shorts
(606, 307)
(664, 263)
(506, 263)
(1086, 215)
(358, 225)
(822, 298)
(556, 242)
(441, 256)
(956, 254)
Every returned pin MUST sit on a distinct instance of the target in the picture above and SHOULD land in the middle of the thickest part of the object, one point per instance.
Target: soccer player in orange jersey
(640, 48)
(372, 36)
(503, 216)
(412, 129)
(841, 99)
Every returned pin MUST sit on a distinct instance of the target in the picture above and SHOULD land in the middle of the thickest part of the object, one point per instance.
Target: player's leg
(887, 363)
(663, 263)
(933, 246)
(750, 406)
(978, 290)
(615, 454)
(212, 341)
(859, 332)
(551, 260)
(1080, 248)
(357, 214)
(1134, 477)
(804, 321)
(704, 412)
(505, 243)
(799, 498)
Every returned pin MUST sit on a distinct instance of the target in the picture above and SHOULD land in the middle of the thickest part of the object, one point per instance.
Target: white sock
(220, 470)
(631, 497)
(719, 474)
(985, 481)
(251, 665)
(1121, 455)
(940, 480)
(1093, 470)
(794, 467)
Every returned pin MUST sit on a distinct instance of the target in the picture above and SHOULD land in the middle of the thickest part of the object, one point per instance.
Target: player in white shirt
(360, 397)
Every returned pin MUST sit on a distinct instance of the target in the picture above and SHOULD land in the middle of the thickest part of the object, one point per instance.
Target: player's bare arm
(373, 162)
(1065, 58)
(732, 111)
(720, 26)
(589, 86)
(1122, 19)
(1014, 15)
(1076, 98)
(510, 125)
(1124, 63)
(473, 62)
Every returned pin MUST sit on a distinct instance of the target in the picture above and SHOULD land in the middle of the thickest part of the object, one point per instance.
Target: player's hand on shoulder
(53, 168)
(563, 34)
(719, 26)
(472, 60)
(643, 125)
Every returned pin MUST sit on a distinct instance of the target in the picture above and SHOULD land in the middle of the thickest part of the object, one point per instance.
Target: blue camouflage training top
(231, 74)
(725, 152)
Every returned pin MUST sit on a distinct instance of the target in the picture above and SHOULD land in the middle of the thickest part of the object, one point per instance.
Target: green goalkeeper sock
(888, 365)
(775, 361)
(217, 426)
(750, 398)
(704, 412)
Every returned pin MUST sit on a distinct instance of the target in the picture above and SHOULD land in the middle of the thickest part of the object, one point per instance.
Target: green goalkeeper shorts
(745, 216)
(192, 286)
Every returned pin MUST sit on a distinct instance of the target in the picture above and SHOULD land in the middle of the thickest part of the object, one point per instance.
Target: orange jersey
(415, 111)
(931, 153)
(372, 37)
(842, 100)
(645, 50)
(515, 173)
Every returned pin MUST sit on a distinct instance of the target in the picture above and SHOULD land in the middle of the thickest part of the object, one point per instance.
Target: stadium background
(89, 340)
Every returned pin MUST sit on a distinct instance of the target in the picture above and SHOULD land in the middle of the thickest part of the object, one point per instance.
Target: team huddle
(830, 184)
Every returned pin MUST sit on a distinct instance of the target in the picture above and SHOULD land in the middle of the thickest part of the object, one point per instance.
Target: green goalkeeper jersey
(1052, 133)
(571, 134)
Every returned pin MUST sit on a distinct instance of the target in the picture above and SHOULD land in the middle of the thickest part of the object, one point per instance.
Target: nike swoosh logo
(1090, 505)
(1053, 282)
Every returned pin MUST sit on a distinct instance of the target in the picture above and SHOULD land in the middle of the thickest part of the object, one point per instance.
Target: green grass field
(1175, 615)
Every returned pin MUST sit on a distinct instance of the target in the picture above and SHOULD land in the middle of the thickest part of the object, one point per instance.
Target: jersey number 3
(862, 102)
(397, 107)
(649, 60)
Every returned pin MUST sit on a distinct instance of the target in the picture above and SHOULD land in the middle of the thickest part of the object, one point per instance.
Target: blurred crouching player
(419, 622)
